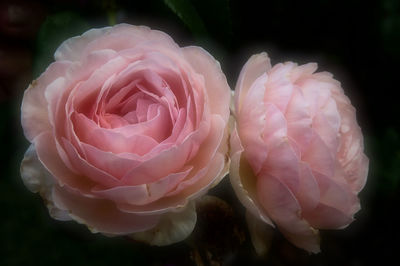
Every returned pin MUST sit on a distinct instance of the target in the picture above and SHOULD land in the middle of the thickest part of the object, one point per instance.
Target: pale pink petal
(299, 122)
(279, 88)
(251, 120)
(158, 86)
(284, 209)
(82, 69)
(111, 140)
(316, 94)
(54, 95)
(326, 124)
(208, 150)
(357, 172)
(275, 128)
(299, 73)
(34, 112)
(215, 81)
(125, 36)
(172, 227)
(308, 193)
(37, 179)
(48, 155)
(337, 195)
(84, 99)
(261, 234)
(145, 193)
(319, 157)
(213, 171)
(72, 48)
(85, 168)
(109, 162)
(256, 66)
(101, 215)
(158, 127)
(283, 164)
(169, 160)
(244, 181)
(123, 92)
(327, 217)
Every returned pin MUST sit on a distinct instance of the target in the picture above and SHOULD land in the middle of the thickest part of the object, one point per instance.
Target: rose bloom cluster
(128, 130)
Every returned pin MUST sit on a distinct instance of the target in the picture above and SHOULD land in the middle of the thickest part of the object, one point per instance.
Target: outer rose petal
(72, 48)
(254, 67)
(260, 233)
(244, 181)
(172, 227)
(37, 179)
(34, 112)
(284, 209)
(215, 80)
(251, 124)
(101, 215)
(48, 155)
(212, 172)
(119, 37)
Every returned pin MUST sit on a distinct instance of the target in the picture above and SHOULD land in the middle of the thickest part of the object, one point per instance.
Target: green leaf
(185, 10)
(216, 15)
(54, 30)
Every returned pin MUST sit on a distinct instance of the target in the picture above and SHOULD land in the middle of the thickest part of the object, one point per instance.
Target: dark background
(358, 41)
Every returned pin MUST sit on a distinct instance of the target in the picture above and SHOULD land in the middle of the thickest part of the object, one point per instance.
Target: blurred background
(358, 41)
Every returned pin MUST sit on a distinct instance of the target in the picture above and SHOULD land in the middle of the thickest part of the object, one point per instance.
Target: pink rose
(297, 150)
(127, 128)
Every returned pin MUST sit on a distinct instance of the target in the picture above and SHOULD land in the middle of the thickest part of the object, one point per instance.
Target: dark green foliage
(55, 29)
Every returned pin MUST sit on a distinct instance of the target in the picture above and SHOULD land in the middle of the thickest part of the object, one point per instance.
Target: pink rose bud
(127, 129)
(297, 150)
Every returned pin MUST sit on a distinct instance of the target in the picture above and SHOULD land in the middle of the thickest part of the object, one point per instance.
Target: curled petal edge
(38, 180)
(173, 227)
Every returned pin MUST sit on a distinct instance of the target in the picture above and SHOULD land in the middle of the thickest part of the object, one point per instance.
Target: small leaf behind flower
(55, 29)
(185, 10)
(216, 15)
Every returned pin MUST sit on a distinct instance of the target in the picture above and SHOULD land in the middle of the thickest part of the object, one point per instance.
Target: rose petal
(215, 81)
(37, 179)
(260, 233)
(256, 66)
(34, 112)
(47, 153)
(146, 193)
(125, 36)
(326, 217)
(299, 122)
(250, 129)
(85, 168)
(319, 157)
(72, 48)
(172, 228)
(101, 215)
(211, 172)
(275, 126)
(326, 124)
(285, 211)
(243, 181)
(283, 164)
(169, 160)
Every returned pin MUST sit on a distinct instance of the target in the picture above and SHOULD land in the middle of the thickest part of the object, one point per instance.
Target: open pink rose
(297, 151)
(129, 128)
